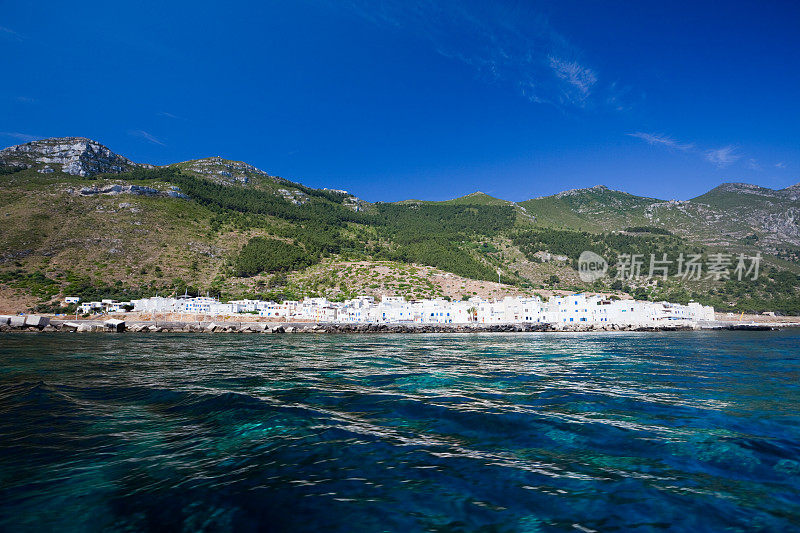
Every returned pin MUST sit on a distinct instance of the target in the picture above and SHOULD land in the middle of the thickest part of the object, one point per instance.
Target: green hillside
(477, 198)
(739, 195)
(594, 209)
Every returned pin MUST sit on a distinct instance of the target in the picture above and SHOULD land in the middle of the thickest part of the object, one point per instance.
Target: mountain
(76, 156)
(478, 198)
(772, 215)
(79, 219)
(595, 208)
(728, 215)
(736, 194)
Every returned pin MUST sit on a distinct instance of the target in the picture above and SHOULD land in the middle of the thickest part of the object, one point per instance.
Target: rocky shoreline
(34, 323)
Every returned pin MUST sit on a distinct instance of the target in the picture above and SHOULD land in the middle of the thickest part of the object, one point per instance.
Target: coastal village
(577, 308)
(573, 312)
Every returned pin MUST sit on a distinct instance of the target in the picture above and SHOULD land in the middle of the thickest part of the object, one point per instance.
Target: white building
(572, 309)
(701, 312)
(278, 310)
(155, 304)
(579, 308)
(200, 305)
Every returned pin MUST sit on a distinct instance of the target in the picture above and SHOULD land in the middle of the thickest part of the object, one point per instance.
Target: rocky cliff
(77, 156)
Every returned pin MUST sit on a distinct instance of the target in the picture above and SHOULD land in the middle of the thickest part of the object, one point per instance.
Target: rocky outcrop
(293, 196)
(77, 156)
(225, 171)
(792, 192)
(580, 192)
(136, 190)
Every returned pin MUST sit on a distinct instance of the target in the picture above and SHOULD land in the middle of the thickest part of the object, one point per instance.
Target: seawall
(150, 326)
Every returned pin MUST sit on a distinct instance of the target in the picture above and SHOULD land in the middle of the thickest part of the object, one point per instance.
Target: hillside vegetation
(211, 225)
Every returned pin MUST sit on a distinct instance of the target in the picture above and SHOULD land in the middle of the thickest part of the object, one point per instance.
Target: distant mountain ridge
(80, 156)
(723, 216)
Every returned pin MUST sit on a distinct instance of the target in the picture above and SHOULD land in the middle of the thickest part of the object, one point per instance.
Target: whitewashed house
(247, 306)
(572, 309)
(155, 304)
(701, 312)
(201, 305)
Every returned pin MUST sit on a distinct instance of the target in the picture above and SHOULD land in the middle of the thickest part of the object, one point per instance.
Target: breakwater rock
(37, 323)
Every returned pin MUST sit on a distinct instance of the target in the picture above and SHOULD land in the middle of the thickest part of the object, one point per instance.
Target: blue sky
(431, 100)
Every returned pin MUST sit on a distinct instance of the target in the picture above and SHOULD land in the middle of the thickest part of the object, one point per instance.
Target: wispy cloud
(752, 164)
(722, 157)
(9, 34)
(24, 137)
(146, 136)
(167, 115)
(503, 43)
(664, 140)
(618, 97)
(780, 164)
(580, 80)
(25, 100)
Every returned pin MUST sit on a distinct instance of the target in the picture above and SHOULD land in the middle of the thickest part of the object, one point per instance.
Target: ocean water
(689, 431)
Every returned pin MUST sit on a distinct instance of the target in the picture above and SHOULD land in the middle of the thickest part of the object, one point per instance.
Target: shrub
(270, 255)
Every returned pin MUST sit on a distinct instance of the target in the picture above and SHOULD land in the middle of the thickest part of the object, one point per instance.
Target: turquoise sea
(689, 431)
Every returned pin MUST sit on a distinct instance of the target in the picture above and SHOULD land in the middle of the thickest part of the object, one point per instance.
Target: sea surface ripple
(690, 431)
